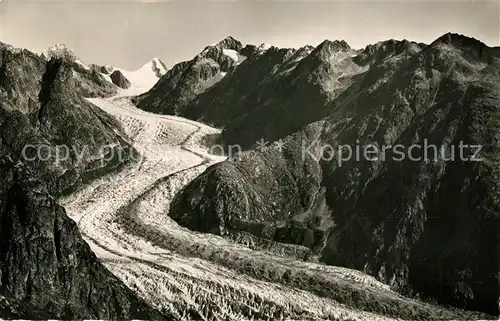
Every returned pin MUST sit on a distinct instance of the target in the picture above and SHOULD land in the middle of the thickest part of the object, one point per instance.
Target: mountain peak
(336, 45)
(458, 40)
(228, 43)
(325, 49)
(156, 65)
(157, 61)
(470, 48)
(391, 45)
(59, 50)
(10, 48)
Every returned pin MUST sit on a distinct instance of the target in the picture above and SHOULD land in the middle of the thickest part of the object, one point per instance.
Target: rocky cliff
(47, 270)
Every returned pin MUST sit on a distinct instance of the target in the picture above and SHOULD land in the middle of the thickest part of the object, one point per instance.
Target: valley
(124, 218)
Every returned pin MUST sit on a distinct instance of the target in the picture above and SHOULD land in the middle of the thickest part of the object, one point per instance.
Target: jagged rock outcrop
(425, 224)
(305, 88)
(44, 117)
(224, 102)
(119, 79)
(88, 79)
(188, 79)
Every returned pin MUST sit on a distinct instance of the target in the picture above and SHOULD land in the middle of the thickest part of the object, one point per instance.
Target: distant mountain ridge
(90, 75)
(266, 83)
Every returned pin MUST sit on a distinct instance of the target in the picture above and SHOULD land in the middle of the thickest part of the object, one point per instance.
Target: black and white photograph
(250, 160)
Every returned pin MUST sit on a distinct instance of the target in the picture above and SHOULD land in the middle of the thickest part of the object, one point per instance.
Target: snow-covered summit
(157, 66)
(143, 78)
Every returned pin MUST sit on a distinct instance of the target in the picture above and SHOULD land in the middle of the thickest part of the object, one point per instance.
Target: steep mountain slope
(221, 104)
(102, 69)
(427, 226)
(53, 141)
(296, 93)
(188, 79)
(119, 79)
(292, 87)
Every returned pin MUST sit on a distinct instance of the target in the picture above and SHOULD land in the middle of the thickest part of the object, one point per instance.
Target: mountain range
(287, 226)
(422, 227)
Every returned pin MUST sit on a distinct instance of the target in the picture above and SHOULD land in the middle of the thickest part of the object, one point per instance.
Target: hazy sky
(128, 33)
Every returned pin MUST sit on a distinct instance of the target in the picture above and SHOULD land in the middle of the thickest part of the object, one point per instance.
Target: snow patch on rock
(233, 54)
(82, 64)
(142, 79)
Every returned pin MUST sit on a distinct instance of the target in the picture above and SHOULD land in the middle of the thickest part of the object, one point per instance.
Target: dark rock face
(102, 69)
(47, 270)
(268, 85)
(14, 82)
(427, 225)
(186, 80)
(89, 82)
(275, 185)
(119, 79)
(224, 102)
(46, 266)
